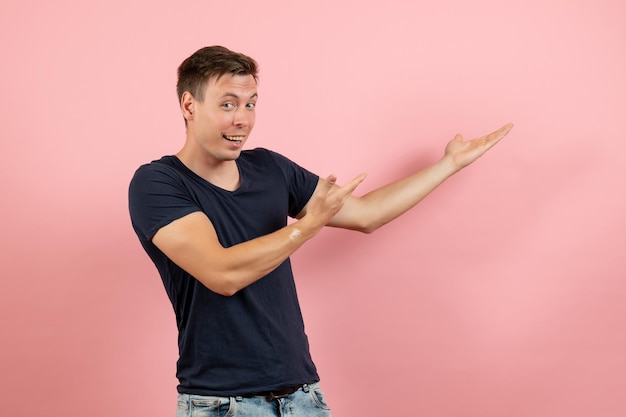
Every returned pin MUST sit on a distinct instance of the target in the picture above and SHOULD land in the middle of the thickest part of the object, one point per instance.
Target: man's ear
(187, 106)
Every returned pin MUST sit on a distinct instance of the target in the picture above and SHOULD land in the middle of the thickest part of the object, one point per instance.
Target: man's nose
(241, 117)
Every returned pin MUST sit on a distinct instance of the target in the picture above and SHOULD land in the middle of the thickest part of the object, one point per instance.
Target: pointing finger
(351, 186)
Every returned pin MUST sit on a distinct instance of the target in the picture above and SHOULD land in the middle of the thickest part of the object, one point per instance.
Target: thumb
(331, 180)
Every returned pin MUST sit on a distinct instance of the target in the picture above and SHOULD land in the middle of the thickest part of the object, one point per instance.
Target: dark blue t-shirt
(253, 341)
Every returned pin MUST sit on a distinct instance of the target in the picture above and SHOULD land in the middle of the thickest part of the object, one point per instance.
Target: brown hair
(211, 61)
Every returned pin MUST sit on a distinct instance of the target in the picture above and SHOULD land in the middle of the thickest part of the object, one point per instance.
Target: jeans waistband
(281, 393)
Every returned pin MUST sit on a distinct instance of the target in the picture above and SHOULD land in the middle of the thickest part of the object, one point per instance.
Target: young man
(213, 218)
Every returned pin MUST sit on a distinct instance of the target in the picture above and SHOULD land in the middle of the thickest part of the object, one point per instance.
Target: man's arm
(374, 209)
(191, 242)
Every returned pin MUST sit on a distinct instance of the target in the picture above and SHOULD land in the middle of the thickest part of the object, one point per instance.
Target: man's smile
(234, 138)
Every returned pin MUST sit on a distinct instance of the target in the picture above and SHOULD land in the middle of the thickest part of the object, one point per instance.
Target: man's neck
(223, 174)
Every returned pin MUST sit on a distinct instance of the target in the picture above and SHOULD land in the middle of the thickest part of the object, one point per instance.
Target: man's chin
(232, 154)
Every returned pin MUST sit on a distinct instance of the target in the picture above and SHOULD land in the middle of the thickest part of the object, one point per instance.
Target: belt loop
(305, 387)
(239, 398)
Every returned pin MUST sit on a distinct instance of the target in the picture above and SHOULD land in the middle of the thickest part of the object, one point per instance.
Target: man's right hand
(327, 200)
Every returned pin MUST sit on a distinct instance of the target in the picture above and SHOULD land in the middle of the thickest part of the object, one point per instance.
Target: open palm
(463, 153)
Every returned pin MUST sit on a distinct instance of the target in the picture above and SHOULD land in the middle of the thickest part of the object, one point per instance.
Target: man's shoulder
(165, 165)
(163, 162)
(259, 158)
(265, 155)
(256, 153)
(159, 172)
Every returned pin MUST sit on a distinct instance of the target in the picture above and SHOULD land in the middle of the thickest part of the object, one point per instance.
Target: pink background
(501, 295)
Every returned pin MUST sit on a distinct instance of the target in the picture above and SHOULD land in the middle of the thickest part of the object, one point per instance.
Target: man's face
(222, 122)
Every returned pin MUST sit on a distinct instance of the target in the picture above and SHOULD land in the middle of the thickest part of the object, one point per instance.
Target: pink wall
(502, 295)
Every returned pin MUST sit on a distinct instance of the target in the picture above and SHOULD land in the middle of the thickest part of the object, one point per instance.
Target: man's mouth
(234, 138)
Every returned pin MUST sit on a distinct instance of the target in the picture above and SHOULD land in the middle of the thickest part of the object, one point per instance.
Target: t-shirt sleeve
(300, 181)
(156, 197)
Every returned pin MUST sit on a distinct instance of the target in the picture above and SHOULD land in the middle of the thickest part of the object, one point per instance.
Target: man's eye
(228, 106)
(251, 105)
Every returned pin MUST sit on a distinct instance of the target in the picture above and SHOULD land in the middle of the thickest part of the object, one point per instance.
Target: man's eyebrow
(233, 95)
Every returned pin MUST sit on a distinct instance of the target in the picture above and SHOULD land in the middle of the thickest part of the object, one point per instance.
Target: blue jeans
(308, 401)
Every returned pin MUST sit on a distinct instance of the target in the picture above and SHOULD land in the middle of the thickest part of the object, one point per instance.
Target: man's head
(208, 62)
(217, 89)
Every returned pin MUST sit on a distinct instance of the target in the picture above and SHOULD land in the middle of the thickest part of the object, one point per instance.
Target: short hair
(211, 61)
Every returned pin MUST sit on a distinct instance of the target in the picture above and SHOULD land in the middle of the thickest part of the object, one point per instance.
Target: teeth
(234, 138)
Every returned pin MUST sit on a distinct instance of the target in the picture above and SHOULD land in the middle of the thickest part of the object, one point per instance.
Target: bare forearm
(192, 242)
(377, 208)
(256, 258)
(369, 212)
(247, 262)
